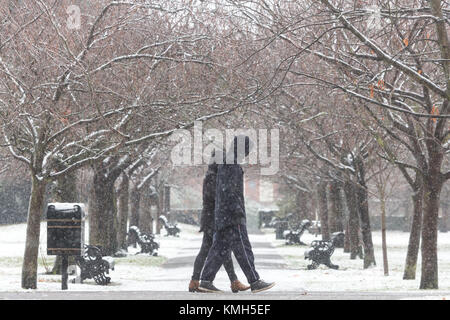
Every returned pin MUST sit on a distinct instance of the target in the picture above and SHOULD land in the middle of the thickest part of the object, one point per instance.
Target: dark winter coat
(230, 207)
(230, 204)
(209, 199)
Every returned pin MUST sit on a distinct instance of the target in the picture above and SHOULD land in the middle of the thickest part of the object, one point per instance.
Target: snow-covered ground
(135, 272)
(352, 277)
(171, 270)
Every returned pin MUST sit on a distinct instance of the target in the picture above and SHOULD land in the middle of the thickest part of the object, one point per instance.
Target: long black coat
(209, 199)
(230, 205)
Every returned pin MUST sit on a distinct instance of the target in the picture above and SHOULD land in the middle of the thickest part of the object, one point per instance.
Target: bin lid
(68, 206)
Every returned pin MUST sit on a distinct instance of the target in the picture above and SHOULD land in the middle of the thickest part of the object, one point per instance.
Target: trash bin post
(65, 234)
(64, 274)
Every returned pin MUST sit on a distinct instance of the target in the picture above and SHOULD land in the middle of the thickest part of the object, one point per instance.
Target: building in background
(261, 193)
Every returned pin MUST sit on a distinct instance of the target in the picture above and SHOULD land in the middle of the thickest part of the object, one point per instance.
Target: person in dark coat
(207, 227)
(230, 222)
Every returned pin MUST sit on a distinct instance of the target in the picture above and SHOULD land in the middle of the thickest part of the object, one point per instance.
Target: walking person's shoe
(193, 285)
(237, 286)
(261, 285)
(207, 286)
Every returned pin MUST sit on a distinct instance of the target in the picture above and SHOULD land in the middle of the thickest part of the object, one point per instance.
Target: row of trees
(104, 94)
(349, 84)
(382, 67)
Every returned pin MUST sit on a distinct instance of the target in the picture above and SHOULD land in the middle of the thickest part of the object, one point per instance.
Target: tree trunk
(145, 219)
(353, 219)
(433, 179)
(30, 258)
(369, 256)
(414, 236)
(65, 189)
(323, 210)
(122, 218)
(301, 199)
(347, 239)
(336, 217)
(135, 200)
(363, 206)
(383, 233)
(432, 189)
(158, 214)
(103, 214)
(407, 217)
(313, 207)
(166, 204)
(444, 224)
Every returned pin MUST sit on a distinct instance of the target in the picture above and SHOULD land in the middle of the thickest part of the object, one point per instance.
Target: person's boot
(193, 285)
(207, 286)
(237, 286)
(261, 285)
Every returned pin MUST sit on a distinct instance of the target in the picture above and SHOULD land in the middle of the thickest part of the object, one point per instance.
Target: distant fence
(396, 223)
(14, 198)
(392, 223)
(191, 217)
(12, 216)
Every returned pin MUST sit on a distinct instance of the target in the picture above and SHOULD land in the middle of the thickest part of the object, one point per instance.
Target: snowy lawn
(351, 276)
(274, 261)
(134, 272)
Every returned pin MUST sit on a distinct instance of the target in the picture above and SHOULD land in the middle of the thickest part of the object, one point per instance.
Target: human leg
(202, 255)
(242, 249)
(243, 252)
(218, 252)
(200, 261)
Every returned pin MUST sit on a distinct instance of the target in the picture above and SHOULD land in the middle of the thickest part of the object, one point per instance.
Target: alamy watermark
(192, 151)
(74, 19)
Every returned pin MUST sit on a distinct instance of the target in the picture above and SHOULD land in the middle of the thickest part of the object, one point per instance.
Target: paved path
(176, 272)
(265, 256)
(180, 295)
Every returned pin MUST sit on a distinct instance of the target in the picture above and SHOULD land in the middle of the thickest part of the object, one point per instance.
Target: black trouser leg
(202, 255)
(242, 249)
(216, 256)
(233, 238)
(229, 268)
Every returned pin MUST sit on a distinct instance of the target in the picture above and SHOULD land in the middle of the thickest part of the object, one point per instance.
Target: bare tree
(80, 97)
(397, 69)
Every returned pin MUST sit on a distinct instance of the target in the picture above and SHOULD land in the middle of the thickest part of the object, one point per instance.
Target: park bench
(294, 236)
(280, 225)
(171, 229)
(146, 241)
(338, 239)
(187, 219)
(94, 266)
(320, 253)
(315, 228)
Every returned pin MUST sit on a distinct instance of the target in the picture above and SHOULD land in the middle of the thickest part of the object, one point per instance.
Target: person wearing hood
(207, 227)
(230, 222)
